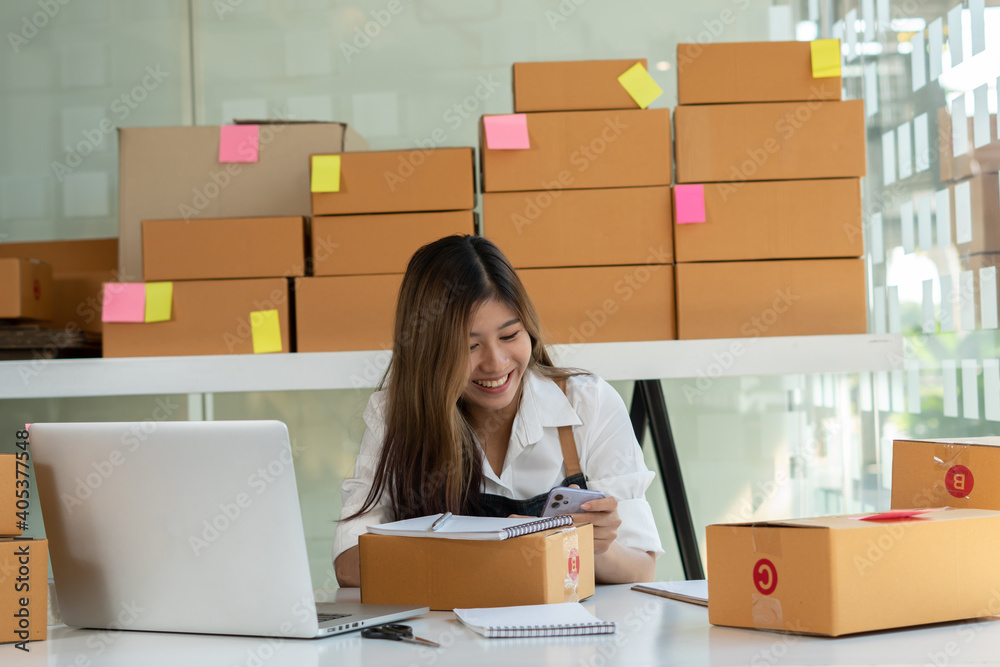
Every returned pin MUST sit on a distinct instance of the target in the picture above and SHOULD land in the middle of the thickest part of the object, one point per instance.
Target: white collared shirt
(610, 457)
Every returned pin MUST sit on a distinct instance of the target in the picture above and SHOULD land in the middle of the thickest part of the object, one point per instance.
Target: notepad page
(536, 616)
(697, 588)
(456, 524)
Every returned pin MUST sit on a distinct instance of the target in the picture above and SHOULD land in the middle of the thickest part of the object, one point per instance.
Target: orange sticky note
(325, 173)
(825, 55)
(266, 331)
(124, 302)
(640, 85)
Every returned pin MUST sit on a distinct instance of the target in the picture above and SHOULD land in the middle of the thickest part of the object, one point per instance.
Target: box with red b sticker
(953, 472)
(841, 575)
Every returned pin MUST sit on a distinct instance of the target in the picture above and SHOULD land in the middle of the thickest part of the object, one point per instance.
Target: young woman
(473, 418)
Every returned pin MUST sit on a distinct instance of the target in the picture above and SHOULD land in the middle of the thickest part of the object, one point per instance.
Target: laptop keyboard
(323, 617)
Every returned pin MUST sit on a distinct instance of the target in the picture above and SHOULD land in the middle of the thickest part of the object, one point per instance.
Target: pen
(440, 521)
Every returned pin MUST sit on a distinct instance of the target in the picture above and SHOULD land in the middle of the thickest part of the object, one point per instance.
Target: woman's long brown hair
(430, 462)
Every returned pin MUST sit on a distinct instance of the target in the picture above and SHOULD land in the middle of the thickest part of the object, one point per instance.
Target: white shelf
(349, 370)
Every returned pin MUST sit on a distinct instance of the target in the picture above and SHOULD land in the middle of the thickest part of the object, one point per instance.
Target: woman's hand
(603, 515)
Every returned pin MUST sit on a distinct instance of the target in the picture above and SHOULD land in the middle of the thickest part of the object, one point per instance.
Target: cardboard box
(771, 298)
(770, 141)
(208, 317)
(24, 594)
(984, 159)
(337, 313)
(750, 72)
(580, 227)
(223, 248)
(540, 568)
(79, 270)
(604, 303)
(576, 85)
(775, 220)
(837, 575)
(345, 245)
(25, 289)
(953, 472)
(8, 496)
(174, 172)
(583, 149)
(984, 215)
(442, 179)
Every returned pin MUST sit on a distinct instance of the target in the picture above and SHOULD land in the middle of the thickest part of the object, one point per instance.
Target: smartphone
(564, 500)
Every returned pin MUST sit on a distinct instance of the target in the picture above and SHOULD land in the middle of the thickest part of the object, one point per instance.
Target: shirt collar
(543, 405)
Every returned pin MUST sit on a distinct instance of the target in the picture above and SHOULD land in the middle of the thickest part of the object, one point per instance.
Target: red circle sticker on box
(765, 576)
(959, 481)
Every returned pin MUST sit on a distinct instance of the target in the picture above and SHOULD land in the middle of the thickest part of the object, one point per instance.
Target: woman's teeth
(493, 384)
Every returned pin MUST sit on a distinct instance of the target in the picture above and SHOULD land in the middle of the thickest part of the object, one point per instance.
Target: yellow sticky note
(325, 173)
(637, 82)
(825, 57)
(159, 297)
(266, 331)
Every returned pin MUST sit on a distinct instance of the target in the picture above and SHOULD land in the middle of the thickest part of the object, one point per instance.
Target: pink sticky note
(897, 514)
(239, 143)
(124, 302)
(690, 203)
(507, 132)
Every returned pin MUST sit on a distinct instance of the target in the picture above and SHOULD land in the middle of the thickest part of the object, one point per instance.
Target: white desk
(651, 631)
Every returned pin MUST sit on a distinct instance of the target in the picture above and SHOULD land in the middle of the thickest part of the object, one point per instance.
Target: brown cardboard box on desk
(750, 72)
(24, 591)
(25, 289)
(79, 270)
(838, 575)
(785, 297)
(207, 317)
(443, 574)
(583, 149)
(442, 179)
(213, 248)
(770, 141)
(608, 226)
(345, 245)
(573, 85)
(774, 220)
(954, 472)
(8, 496)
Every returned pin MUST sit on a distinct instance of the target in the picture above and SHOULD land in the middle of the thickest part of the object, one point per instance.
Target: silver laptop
(183, 527)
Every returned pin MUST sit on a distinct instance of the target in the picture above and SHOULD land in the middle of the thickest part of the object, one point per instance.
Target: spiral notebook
(536, 620)
(470, 527)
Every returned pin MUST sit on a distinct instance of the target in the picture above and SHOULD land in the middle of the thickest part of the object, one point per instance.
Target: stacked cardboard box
(79, 270)
(768, 197)
(380, 207)
(579, 201)
(23, 562)
(213, 219)
(971, 182)
(25, 289)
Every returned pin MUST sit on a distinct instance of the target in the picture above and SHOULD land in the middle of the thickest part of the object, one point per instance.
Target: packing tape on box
(765, 609)
(571, 556)
(956, 479)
